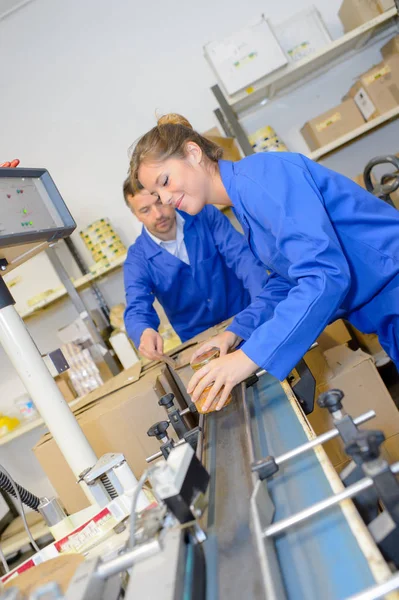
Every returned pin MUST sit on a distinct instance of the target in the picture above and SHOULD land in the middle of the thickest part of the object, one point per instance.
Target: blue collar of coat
(150, 248)
(227, 174)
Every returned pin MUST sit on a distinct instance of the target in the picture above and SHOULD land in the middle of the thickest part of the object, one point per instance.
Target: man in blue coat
(199, 268)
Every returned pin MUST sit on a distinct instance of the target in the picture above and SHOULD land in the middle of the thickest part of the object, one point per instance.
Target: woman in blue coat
(332, 248)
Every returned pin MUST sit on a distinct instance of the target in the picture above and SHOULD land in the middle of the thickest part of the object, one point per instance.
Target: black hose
(27, 498)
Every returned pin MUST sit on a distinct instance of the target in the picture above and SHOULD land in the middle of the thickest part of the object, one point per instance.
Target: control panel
(32, 215)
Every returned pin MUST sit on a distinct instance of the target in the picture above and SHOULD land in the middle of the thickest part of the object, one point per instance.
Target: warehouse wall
(86, 78)
(80, 81)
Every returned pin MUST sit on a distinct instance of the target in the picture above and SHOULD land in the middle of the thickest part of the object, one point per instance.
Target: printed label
(369, 79)
(364, 103)
(330, 121)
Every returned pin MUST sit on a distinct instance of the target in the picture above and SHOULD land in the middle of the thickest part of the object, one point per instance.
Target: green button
(25, 211)
(30, 223)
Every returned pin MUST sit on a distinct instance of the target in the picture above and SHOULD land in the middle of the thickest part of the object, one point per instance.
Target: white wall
(82, 79)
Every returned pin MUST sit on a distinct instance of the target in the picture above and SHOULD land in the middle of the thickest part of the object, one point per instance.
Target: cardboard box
(335, 334)
(331, 125)
(245, 56)
(230, 148)
(356, 375)
(354, 13)
(65, 386)
(391, 48)
(377, 91)
(384, 5)
(117, 422)
(302, 34)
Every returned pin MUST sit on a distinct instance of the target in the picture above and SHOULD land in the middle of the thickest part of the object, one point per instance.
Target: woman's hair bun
(174, 119)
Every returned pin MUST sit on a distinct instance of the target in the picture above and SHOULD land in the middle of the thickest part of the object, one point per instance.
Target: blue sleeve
(292, 211)
(262, 308)
(233, 246)
(140, 313)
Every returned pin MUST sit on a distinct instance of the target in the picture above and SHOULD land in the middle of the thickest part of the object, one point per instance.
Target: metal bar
(321, 439)
(303, 515)
(379, 590)
(234, 123)
(201, 437)
(40, 385)
(81, 308)
(247, 421)
(127, 559)
(94, 287)
(223, 123)
(159, 454)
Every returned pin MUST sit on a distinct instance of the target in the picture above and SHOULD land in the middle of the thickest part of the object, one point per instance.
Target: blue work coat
(332, 249)
(222, 279)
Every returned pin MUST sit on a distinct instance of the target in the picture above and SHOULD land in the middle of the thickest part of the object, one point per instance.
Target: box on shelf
(354, 13)
(123, 349)
(65, 386)
(302, 34)
(267, 140)
(355, 374)
(377, 91)
(245, 56)
(331, 125)
(230, 148)
(391, 48)
(384, 5)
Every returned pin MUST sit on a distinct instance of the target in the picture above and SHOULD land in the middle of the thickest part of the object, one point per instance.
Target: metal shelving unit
(79, 284)
(293, 75)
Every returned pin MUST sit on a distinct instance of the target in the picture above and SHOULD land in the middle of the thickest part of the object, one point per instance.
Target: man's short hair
(130, 190)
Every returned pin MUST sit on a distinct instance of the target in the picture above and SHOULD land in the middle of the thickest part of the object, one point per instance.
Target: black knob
(158, 430)
(332, 400)
(366, 446)
(166, 401)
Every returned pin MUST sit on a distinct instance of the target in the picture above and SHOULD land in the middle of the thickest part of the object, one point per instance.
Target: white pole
(26, 358)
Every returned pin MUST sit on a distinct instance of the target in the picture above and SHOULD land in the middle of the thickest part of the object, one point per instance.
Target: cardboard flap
(342, 358)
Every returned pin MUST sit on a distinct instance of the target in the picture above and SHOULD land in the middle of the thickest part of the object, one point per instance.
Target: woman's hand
(224, 341)
(225, 371)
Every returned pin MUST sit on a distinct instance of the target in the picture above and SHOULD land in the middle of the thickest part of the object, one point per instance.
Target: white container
(244, 57)
(302, 34)
(26, 408)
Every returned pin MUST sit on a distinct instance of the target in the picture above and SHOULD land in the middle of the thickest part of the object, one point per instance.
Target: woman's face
(183, 183)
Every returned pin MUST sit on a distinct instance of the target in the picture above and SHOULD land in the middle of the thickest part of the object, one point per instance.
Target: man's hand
(151, 344)
(225, 371)
(224, 341)
(11, 164)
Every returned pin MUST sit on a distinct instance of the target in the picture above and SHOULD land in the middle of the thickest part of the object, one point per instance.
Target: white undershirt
(176, 247)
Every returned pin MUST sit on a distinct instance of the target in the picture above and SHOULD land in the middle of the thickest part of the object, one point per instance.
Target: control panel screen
(31, 208)
(25, 206)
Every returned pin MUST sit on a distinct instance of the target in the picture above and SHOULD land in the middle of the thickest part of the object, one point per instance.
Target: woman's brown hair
(169, 138)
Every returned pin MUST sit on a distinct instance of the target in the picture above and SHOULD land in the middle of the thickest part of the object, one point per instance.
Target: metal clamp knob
(366, 446)
(332, 400)
(167, 400)
(158, 430)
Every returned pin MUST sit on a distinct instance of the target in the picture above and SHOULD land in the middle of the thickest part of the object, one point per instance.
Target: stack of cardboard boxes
(116, 417)
(356, 375)
(375, 93)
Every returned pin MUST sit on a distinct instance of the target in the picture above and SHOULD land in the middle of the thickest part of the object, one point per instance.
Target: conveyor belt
(322, 558)
(231, 556)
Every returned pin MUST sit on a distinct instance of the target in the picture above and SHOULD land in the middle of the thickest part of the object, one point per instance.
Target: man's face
(155, 216)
